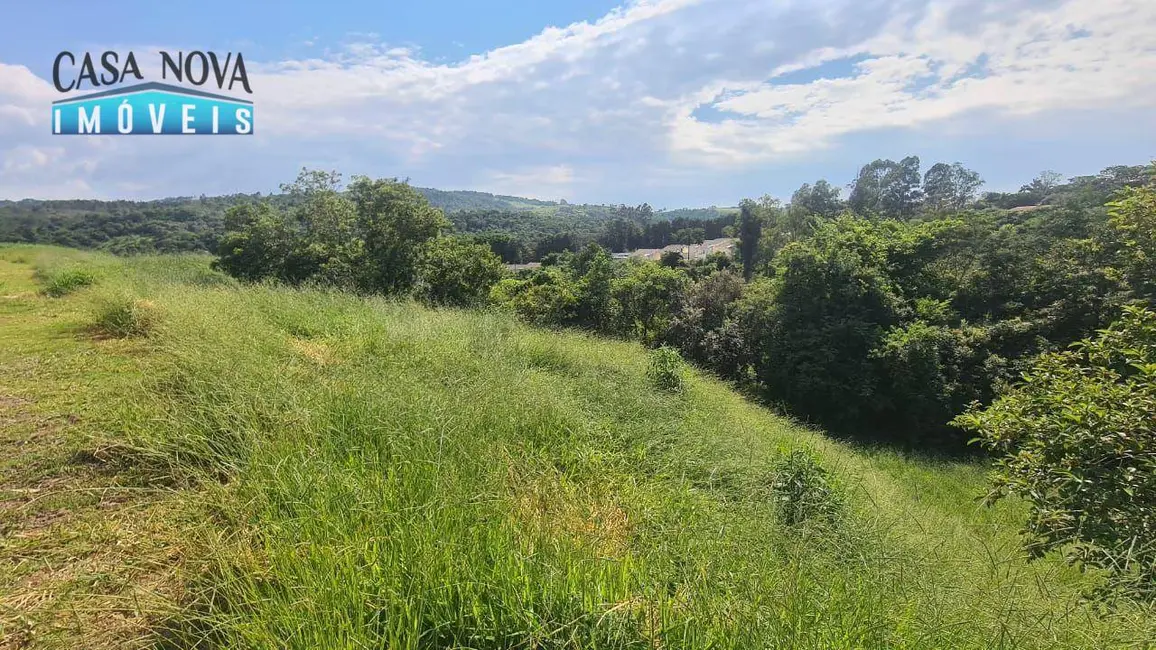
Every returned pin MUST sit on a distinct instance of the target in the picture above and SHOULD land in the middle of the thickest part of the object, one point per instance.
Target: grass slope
(354, 473)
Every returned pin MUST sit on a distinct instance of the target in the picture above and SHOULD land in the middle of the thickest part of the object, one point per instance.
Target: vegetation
(517, 229)
(666, 370)
(1077, 438)
(358, 470)
(337, 471)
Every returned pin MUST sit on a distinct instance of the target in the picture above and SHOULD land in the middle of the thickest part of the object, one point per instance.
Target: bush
(456, 272)
(804, 490)
(63, 282)
(1078, 436)
(667, 370)
(124, 317)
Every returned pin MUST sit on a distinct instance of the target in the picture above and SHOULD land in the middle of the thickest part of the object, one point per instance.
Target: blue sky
(673, 102)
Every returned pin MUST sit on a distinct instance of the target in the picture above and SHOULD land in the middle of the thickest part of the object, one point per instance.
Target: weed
(122, 316)
(804, 490)
(667, 370)
(66, 281)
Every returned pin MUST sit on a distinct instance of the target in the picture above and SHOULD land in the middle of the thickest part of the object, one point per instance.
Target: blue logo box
(152, 109)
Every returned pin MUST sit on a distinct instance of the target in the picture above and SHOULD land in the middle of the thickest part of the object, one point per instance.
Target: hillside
(195, 224)
(247, 466)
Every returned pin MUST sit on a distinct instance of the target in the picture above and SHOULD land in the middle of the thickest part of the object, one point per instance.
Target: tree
(671, 259)
(257, 242)
(1078, 439)
(821, 199)
(1133, 218)
(456, 272)
(750, 229)
(888, 188)
(900, 192)
(1042, 185)
(593, 272)
(950, 186)
(689, 236)
(649, 296)
(866, 195)
(395, 222)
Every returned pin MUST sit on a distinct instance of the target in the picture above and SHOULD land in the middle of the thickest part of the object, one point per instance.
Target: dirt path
(87, 553)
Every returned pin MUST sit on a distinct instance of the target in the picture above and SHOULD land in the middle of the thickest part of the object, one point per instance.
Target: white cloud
(547, 183)
(618, 102)
(1078, 55)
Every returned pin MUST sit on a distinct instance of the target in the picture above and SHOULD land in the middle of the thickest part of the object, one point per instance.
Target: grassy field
(191, 463)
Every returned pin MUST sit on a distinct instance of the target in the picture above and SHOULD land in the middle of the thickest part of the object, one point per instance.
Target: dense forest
(518, 229)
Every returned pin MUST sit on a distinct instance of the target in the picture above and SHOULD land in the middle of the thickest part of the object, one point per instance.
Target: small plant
(66, 281)
(667, 370)
(125, 317)
(804, 490)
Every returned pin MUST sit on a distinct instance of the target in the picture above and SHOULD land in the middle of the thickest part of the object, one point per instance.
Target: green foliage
(648, 297)
(1133, 217)
(67, 280)
(458, 273)
(667, 370)
(1078, 439)
(369, 238)
(949, 187)
(121, 315)
(804, 491)
(547, 298)
(372, 473)
(750, 230)
(812, 328)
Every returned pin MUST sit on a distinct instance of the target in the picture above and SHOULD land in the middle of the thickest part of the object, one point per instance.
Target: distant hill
(182, 224)
(456, 200)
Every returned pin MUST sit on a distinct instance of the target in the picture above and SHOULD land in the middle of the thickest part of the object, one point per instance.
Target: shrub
(804, 490)
(457, 272)
(124, 317)
(1078, 436)
(667, 370)
(63, 282)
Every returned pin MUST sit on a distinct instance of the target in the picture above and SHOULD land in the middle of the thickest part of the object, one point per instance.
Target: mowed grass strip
(89, 552)
(354, 473)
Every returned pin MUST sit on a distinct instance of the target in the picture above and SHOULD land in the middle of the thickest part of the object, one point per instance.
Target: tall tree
(900, 194)
(867, 188)
(950, 187)
(750, 229)
(821, 199)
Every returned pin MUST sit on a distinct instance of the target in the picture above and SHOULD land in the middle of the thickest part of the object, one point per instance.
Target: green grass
(358, 473)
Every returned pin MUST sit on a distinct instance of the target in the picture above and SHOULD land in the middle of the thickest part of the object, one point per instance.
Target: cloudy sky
(674, 102)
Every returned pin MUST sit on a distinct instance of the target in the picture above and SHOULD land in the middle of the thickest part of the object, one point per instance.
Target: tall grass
(375, 474)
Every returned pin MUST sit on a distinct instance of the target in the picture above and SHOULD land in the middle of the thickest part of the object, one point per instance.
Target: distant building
(523, 267)
(691, 252)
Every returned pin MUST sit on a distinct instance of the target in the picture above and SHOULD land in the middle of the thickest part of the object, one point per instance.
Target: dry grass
(89, 557)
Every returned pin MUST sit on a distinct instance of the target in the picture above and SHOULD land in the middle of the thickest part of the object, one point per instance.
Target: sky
(671, 102)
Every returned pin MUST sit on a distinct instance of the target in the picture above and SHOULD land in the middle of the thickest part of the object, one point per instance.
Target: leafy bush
(123, 316)
(456, 272)
(66, 281)
(804, 490)
(1078, 436)
(369, 237)
(667, 371)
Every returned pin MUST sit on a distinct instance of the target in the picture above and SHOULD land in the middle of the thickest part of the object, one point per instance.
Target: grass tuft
(65, 281)
(123, 316)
